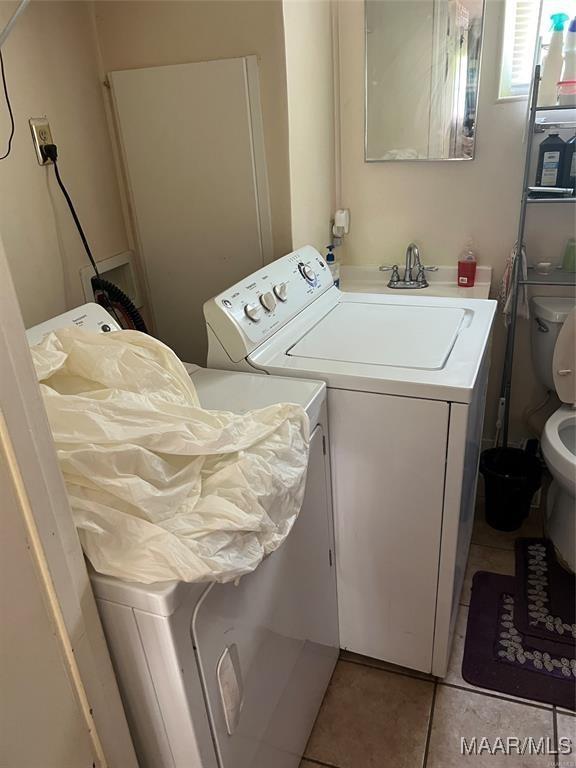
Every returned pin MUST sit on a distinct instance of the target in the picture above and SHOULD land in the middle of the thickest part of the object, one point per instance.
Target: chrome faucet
(414, 271)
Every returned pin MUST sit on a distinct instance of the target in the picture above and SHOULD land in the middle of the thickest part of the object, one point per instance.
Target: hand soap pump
(467, 266)
(552, 63)
(333, 265)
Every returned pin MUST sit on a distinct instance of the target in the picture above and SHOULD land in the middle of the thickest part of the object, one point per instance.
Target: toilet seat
(564, 361)
(558, 451)
(559, 447)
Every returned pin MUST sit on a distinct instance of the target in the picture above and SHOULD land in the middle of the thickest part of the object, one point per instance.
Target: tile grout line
(412, 675)
(319, 762)
(439, 681)
(492, 546)
(429, 731)
(492, 695)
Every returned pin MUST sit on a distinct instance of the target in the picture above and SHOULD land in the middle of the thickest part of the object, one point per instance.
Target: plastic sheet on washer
(160, 488)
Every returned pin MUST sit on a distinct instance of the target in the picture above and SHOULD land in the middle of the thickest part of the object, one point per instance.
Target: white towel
(506, 289)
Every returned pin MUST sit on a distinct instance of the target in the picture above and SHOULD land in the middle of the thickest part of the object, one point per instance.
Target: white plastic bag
(159, 488)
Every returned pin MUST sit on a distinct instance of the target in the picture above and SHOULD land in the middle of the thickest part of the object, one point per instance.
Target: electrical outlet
(41, 135)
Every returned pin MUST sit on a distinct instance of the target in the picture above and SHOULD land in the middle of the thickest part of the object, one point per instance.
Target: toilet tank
(548, 314)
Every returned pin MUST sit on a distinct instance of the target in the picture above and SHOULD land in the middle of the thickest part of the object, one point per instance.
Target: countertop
(369, 279)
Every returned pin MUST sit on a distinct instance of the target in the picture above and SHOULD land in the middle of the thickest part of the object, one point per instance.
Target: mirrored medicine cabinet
(422, 76)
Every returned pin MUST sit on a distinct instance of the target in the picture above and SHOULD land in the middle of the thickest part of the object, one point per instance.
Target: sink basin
(369, 279)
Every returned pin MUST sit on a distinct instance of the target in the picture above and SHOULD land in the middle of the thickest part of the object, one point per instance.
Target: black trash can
(511, 478)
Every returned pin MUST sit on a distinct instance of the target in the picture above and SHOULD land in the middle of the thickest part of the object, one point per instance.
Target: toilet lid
(564, 361)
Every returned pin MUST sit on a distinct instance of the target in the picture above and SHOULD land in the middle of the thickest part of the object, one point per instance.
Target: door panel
(281, 626)
(388, 464)
(196, 171)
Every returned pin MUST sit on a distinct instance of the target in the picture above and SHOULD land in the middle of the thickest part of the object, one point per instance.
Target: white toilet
(554, 358)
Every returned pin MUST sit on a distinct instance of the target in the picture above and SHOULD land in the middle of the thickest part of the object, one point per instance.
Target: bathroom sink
(369, 279)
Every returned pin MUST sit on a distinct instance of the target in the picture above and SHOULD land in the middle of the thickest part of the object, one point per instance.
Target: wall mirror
(422, 75)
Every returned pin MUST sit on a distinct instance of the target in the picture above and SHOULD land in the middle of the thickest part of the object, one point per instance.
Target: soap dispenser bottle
(333, 265)
(467, 266)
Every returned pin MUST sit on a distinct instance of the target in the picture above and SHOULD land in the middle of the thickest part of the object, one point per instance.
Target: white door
(388, 466)
(278, 631)
(193, 149)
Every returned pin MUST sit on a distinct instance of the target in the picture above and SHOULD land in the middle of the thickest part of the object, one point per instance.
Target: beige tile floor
(376, 715)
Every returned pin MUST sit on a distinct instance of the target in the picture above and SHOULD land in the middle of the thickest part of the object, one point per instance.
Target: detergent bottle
(553, 62)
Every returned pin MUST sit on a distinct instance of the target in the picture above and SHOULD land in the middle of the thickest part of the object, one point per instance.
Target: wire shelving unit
(557, 277)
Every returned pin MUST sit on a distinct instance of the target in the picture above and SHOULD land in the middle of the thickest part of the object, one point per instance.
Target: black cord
(75, 216)
(9, 105)
(50, 152)
(111, 293)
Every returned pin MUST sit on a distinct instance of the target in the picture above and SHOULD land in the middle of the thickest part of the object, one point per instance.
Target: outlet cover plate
(41, 135)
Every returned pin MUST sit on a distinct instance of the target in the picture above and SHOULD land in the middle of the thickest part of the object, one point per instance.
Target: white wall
(441, 204)
(51, 68)
(310, 77)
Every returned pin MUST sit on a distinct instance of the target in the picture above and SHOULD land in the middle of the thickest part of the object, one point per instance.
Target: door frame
(35, 470)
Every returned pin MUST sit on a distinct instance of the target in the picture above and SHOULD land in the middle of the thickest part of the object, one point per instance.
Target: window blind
(525, 21)
(519, 39)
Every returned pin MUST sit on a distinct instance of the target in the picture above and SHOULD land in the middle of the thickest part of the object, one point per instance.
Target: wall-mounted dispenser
(341, 224)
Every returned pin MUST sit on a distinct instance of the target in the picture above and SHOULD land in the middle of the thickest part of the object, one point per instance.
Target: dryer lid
(399, 335)
(564, 361)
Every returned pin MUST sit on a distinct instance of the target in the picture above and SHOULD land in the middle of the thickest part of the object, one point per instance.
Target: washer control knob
(252, 312)
(268, 301)
(281, 291)
(308, 273)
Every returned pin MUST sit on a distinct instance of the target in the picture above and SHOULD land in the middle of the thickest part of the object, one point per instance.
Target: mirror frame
(428, 159)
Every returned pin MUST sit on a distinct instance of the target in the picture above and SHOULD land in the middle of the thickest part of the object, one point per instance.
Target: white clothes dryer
(229, 675)
(407, 381)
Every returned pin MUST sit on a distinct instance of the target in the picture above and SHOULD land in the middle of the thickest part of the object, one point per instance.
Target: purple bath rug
(497, 656)
(545, 600)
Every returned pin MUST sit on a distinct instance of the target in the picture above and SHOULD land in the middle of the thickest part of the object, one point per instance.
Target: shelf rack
(543, 200)
(557, 277)
(566, 279)
(556, 108)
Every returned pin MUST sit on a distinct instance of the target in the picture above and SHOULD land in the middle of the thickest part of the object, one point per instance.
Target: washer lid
(240, 392)
(552, 308)
(564, 361)
(399, 335)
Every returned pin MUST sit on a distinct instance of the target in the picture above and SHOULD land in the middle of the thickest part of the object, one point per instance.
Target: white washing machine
(406, 383)
(229, 675)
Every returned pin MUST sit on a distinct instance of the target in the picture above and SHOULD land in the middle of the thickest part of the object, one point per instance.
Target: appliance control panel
(251, 311)
(91, 317)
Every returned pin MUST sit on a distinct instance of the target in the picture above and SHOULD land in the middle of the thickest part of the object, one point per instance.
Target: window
(519, 41)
